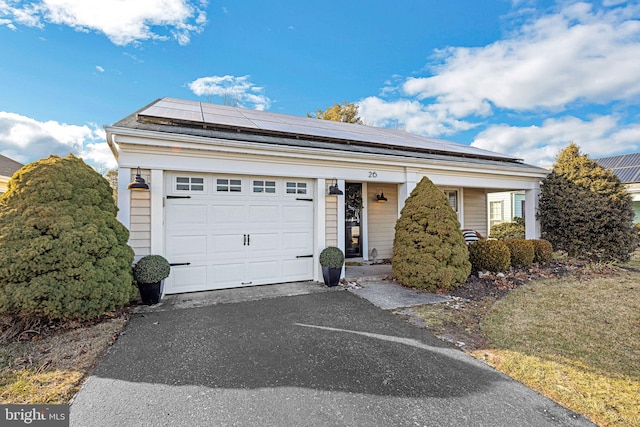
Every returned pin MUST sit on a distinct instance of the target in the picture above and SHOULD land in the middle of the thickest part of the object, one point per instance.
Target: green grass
(575, 341)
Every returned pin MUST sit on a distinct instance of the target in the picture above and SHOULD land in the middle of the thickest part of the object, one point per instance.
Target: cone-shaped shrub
(585, 210)
(63, 253)
(429, 251)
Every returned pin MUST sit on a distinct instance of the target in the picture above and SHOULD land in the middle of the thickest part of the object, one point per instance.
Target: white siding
(331, 218)
(140, 225)
(475, 210)
(382, 218)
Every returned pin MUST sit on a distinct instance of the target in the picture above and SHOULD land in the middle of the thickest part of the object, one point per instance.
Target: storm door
(353, 220)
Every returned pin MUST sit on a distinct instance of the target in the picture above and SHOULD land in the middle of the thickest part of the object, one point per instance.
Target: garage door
(230, 231)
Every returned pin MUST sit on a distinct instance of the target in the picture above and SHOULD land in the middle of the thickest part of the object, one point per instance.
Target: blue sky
(521, 77)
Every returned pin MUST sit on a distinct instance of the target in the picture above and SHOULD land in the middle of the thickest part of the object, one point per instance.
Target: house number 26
(373, 174)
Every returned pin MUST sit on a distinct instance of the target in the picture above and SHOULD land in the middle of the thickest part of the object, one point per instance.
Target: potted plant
(331, 260)
(149, 272)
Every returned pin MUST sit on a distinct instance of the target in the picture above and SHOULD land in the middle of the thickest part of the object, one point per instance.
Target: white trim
(319, 226)
(364, 223)
(341, 218)
(157, 212)
(124, 196)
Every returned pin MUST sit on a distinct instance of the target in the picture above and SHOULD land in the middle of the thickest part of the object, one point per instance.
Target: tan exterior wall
(331, 219)
(140, 226)
(381, 218)
(475, 210)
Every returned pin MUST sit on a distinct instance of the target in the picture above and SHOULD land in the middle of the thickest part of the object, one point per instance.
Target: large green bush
(63, 253)
(490, 255)
(509, 230)
(429, 251)
(585, 210)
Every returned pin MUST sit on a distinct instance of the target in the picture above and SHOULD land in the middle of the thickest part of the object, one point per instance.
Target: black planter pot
(331, 276)
(150, 292)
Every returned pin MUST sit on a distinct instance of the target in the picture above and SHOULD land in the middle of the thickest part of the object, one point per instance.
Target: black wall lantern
(380, 198)
(138, 183)
(334, 190)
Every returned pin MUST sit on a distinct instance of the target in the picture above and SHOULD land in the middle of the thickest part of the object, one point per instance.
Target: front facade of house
(240, 197)
(504, 207)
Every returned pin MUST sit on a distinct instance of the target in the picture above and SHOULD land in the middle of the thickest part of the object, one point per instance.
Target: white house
(240, 197)
(504, 206)
(627, 168)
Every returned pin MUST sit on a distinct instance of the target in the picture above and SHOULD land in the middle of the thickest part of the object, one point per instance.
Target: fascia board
(160, 140)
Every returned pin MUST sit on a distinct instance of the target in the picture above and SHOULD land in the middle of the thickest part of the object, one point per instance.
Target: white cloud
(576, 55)
(25, 140)
(235, 91)
(99, 68)
(123, 22)
(600, 137)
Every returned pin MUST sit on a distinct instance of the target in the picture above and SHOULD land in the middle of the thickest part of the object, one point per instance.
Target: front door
(353, 221)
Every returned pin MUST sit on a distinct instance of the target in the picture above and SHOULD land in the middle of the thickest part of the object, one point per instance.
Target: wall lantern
(380, 198)
(138, 183)
(334, 190)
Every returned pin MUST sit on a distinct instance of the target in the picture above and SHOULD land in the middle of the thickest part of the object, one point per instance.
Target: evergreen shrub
(490, 255)
(543, 251)
(522, 252)
(585, 210)
(332, 257)
(429, 251)
(151, 269)
(509, 230)
(63, 253)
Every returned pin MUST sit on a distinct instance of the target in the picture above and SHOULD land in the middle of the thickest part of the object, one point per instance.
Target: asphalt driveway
(328, 358)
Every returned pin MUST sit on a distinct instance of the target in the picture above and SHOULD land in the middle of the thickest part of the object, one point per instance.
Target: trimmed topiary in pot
(151, 269)
(489, 255)
(332, 257)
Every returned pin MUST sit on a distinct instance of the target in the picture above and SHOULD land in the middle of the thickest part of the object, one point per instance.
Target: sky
(519, 77)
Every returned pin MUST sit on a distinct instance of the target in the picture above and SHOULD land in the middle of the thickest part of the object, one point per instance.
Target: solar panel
(626, 174)
(630, 160)
(204, 113)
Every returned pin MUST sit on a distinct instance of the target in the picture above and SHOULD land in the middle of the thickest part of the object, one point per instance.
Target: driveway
(320, 359)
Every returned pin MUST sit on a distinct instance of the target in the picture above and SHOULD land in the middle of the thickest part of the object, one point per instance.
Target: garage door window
(189, 183)
(264, 187)
(296, 188)
(228, 185)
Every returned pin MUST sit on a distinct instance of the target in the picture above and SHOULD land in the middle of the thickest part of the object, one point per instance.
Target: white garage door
(230, 231)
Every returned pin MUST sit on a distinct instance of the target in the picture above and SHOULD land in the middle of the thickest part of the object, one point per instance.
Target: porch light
(380, 198)
(334, 190)
(138, 183)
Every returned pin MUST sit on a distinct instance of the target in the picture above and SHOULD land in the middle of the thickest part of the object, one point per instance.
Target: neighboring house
(7, 168)
(240, 197)
(627, 168)
(504, 206)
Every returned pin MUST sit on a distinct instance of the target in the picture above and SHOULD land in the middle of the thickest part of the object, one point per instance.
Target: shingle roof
(626, 166)
(8, 166)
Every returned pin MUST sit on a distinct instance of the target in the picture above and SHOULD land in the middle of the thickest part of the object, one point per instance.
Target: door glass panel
(353, 220)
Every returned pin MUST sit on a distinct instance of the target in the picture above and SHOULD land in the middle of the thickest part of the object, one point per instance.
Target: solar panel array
(626, 167)
(178, 111)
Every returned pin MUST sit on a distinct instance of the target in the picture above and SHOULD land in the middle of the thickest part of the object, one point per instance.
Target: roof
(218, 121)
(626, 166)
(8, 166)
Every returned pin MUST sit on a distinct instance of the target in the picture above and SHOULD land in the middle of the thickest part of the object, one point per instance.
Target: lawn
(51, 366)
(575, 339)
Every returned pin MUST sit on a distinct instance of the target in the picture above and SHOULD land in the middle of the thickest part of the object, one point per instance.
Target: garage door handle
(304, 200)
(179, 263)
(305, 256)
(178, 197)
